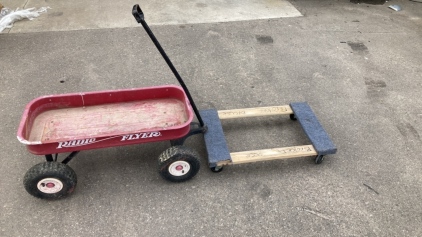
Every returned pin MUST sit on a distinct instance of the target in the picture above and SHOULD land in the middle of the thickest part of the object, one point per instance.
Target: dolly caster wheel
(216, 169)
(319, 159)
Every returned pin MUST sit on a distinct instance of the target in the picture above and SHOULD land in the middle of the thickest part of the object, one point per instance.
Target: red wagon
(81, 121)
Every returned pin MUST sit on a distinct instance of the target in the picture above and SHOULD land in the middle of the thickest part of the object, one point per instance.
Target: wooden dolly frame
(219, 155)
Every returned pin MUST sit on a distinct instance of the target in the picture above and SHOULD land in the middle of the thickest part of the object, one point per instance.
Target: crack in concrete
(25, 4)
(316, 213)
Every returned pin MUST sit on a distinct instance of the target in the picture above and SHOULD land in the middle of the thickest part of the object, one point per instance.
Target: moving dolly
(69, 123)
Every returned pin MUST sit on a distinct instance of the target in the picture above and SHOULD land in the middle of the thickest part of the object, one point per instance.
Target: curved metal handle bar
(139, 17)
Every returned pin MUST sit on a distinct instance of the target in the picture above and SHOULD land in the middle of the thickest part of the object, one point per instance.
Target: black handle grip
(137, 13)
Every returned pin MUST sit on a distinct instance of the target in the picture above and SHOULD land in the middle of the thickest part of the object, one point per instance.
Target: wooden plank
(270, 154)
(254, 112)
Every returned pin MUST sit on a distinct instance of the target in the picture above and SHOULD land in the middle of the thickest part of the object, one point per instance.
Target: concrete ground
(357, 65)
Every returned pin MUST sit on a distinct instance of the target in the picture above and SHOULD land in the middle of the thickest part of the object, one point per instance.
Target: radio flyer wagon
(70, 123)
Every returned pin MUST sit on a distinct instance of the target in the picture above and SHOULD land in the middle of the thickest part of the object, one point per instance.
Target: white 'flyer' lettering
(141, 135)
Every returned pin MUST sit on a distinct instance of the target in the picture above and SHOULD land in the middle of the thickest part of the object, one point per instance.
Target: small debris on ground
(8, 17)
(395, 7)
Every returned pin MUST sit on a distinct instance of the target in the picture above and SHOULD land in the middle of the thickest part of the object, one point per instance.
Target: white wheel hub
(50, 185)
(179, 168)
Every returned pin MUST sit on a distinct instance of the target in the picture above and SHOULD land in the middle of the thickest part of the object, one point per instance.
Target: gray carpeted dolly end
(218, 151)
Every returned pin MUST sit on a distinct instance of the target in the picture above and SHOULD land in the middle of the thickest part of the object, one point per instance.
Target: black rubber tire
(50, 170)
(293, 117)
(180, 154)
(319, 159)
(216, 171)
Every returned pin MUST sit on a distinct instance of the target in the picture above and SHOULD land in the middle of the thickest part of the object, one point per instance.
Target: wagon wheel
(178, 164)
(50, 180)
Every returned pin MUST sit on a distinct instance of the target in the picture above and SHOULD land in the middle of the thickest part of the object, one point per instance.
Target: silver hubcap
(179, 168)
(50, 185)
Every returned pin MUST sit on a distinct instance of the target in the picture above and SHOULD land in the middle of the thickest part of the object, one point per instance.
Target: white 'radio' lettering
(75, 143)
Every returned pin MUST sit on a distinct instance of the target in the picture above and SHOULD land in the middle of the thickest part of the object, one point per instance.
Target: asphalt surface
(357, 65)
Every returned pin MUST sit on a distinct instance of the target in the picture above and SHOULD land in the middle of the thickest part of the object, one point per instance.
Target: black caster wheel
(50, 180)
(319, 159)
(217, 169)
(293, 117)
(178, 164)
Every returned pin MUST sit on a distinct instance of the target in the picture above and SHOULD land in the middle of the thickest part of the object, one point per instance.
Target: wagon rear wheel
(178, 164)
(50, 180)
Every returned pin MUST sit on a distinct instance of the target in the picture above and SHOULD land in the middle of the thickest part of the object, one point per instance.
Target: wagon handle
(139, 17)
(137, 13)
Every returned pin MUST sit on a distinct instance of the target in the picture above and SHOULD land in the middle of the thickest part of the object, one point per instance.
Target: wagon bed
(70, 122)
(106, 120)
